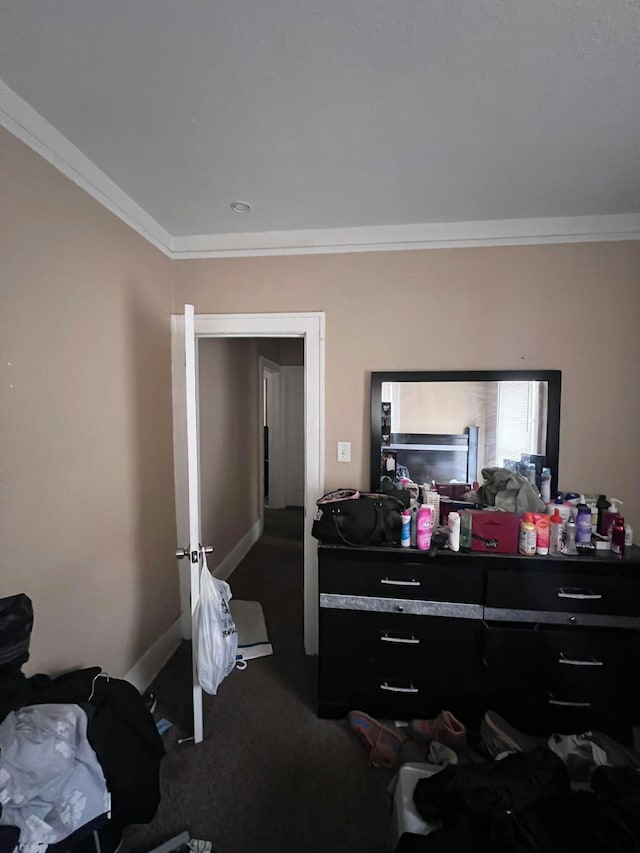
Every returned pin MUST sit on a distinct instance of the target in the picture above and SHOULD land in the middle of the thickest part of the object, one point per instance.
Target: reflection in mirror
(431, 430)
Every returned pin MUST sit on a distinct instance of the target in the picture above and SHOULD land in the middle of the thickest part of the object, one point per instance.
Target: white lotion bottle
(453, 523)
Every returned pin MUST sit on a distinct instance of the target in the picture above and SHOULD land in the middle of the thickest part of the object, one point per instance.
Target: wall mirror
(449, 425)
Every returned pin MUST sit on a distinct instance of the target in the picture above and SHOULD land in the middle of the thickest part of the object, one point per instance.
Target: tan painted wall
(87, 516)
(570, 307)
(229, 436)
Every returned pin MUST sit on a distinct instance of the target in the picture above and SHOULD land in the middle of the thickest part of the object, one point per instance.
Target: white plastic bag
(216, 637)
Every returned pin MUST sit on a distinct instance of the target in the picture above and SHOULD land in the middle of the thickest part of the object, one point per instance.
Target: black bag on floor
(359, 519)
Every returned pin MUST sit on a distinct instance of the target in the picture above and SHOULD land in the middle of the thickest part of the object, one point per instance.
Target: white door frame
(310, 326)
(276, 444)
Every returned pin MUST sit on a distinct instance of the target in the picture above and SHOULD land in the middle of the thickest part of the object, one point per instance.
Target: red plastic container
(494, 531)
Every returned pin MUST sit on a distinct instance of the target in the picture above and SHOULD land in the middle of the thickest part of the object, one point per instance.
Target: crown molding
(440, 235)
(34, 130)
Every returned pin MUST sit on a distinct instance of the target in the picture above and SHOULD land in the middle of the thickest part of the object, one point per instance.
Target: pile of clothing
(78, 753)
(503, 791)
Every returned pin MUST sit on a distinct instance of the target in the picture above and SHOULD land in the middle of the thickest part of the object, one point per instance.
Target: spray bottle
(405, 532)
(609, 516)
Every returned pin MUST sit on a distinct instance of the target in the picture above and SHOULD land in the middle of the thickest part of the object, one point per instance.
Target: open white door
(195, 553)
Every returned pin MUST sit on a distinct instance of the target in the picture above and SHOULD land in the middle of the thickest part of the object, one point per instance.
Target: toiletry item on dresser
(542, 535)
(628, 535)
(556, 528)
(453, 523)
(617, 537)
(413, 509)
(591, 503)
(424, 525)
(602, 504)
(563, 508)
(609, 516)
(583, 523)
(431, 497)
(569, 547)
(545, 485)
(405, 531)
(527, 537)
(465, 530)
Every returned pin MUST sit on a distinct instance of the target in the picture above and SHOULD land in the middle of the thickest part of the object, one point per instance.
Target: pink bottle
(424, 525)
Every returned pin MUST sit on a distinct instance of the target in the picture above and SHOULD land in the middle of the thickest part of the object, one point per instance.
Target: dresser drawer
(421, 579)
(514, 650)
(392, 690)
(434, 643)
(573, 658)
(550, 592)
(533, 708)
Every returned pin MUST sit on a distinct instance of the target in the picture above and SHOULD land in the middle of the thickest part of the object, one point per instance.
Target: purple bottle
(583, 525)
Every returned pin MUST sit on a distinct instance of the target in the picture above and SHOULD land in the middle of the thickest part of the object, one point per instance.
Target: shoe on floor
(382, 742)
(498, 736)
(445, 728)
(440, 753)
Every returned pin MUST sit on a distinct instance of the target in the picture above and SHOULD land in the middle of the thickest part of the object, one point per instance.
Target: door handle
(579, 594)
(181, 553)
(578, 662)
(386, 686)
(567, 704)
(389, 582)
(413, 641)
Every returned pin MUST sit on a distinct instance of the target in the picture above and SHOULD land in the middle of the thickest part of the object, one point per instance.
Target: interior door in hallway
(293, 397)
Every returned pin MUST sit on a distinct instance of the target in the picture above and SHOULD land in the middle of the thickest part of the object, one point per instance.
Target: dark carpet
(270, 775)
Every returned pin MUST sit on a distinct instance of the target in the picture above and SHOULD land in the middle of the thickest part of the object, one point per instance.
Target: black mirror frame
(552, 377)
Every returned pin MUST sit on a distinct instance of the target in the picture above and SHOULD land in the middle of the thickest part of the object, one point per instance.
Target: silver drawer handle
(390, 582)
(411, 689)
(577, 662)
(564, 703)
(414, 641)
(580, 594)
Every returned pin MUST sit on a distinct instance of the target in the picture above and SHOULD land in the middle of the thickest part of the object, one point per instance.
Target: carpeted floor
(270, 775)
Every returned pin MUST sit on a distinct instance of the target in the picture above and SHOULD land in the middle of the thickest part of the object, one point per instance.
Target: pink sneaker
(444, 728)
(383, 743)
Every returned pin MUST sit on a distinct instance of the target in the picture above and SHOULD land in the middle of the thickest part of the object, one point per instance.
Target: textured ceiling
(341, 112)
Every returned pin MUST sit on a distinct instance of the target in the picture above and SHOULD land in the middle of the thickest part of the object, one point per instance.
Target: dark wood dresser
(551, 643)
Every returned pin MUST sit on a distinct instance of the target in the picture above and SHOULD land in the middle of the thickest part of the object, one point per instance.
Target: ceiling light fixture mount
(240, 207)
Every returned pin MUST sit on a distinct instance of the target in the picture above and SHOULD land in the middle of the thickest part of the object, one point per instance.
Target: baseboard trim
(240, 551)
(149, 665)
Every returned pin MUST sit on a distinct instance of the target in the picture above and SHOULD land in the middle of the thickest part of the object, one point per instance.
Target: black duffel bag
(357, 518)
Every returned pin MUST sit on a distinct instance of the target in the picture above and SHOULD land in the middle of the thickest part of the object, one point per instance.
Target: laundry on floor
(79, 753)
(500, 789)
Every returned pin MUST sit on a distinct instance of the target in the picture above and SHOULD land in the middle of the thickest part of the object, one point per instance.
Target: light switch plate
(344, 451)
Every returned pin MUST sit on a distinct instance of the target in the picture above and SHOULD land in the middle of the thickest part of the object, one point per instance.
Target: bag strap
(377, 525)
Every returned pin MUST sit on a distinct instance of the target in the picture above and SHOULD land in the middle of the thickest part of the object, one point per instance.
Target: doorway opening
(305, 382)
